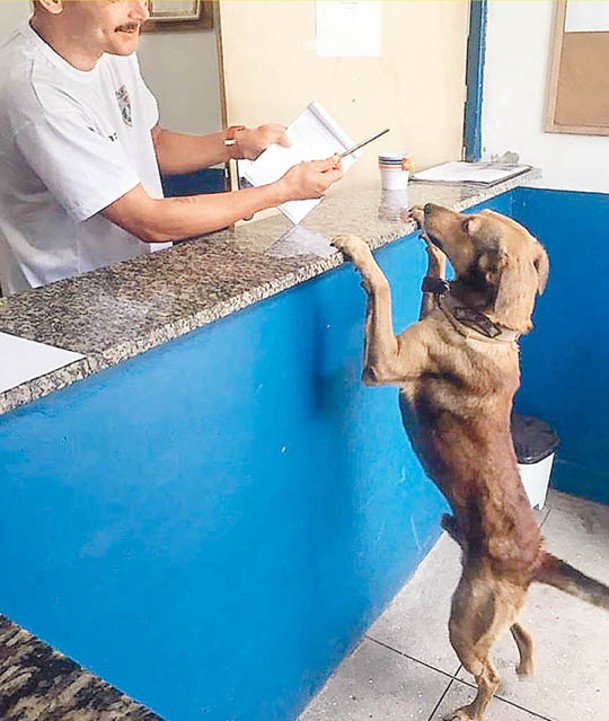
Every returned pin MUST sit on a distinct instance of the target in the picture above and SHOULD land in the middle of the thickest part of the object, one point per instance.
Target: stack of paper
(476, 173)
(314, 135)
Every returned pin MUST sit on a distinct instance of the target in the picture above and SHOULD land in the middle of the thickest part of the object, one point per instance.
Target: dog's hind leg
(519, 634)
(473, 654)
(525, 649)
(483, 606)
(487, 681)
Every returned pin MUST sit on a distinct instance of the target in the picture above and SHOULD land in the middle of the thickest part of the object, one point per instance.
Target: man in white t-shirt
(81, 150)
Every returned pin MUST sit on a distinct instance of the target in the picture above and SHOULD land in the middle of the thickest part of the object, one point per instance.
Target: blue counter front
(211, 525)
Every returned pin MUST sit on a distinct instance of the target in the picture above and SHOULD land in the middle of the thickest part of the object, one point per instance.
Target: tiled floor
(405, 668)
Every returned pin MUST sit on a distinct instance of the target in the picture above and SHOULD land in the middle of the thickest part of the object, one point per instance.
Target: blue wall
(566, 357)
(212, 525)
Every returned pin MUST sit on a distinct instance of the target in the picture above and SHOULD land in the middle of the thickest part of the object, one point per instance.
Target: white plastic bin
(535, 444)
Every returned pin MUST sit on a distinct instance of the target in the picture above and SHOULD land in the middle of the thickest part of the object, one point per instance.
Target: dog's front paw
(437, 258)
(348, 243)
(415, 213)
(353, 247)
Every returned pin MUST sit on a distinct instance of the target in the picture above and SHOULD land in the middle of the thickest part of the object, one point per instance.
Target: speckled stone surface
(39, 684)
(115, 313)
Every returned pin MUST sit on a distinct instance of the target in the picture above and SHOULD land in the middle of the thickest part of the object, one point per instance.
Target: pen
(361, 145)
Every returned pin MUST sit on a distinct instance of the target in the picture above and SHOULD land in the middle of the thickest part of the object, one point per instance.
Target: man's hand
(252, 141)
(311, 179)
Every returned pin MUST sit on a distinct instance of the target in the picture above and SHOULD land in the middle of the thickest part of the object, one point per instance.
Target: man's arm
(179, 153)
(157, 221)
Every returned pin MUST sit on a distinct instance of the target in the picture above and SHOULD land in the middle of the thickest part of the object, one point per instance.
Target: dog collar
(463, 318)
(437, 286)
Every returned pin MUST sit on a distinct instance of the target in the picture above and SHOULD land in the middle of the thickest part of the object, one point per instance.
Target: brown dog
(458, 370)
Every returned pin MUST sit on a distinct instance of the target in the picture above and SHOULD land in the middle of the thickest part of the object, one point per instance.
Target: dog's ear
(542, 266)
(489, 263)
(472, 224)
(519, 282)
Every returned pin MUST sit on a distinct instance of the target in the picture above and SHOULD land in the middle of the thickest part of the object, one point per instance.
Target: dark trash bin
(535, 443)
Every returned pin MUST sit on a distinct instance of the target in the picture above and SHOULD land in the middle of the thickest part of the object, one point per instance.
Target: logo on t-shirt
(124, 104)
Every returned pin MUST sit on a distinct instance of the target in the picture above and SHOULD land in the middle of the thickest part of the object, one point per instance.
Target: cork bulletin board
(578, 87)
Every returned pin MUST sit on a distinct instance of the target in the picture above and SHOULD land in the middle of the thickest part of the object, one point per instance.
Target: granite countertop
(39, 684)
(115, 313)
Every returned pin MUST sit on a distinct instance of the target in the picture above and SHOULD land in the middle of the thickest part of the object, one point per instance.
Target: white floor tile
(377, 683)
(571, 641)
(416, 621)
(460, 695)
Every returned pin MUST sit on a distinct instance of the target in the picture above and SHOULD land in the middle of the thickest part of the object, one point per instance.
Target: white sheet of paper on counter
(22, 360)
(476, 173)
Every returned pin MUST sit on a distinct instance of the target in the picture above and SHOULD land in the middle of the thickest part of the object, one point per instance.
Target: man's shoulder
(17, 65)
(22, 68)
(32, 85)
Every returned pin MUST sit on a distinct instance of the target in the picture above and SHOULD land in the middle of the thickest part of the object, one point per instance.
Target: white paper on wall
(348, 28)
(587, 16)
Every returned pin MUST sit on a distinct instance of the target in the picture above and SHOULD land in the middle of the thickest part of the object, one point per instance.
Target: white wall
(517, 59)
(12, 12)
(180, 68)
(416, 87)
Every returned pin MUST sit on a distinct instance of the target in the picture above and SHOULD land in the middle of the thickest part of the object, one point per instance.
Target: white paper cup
(395, 170)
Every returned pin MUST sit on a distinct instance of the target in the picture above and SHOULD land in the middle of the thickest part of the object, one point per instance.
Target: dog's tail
(559, 574)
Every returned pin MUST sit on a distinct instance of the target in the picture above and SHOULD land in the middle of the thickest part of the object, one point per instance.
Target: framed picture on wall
(179, 15)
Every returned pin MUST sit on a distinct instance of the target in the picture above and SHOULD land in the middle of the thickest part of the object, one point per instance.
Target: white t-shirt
(71, 143)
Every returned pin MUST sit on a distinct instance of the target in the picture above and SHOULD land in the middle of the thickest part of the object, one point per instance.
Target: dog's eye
(465, 225)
